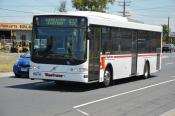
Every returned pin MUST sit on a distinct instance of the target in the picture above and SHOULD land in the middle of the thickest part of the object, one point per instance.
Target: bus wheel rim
(107, 76)
(146, 72)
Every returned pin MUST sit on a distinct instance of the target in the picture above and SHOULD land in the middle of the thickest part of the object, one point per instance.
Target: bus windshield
(59, 45)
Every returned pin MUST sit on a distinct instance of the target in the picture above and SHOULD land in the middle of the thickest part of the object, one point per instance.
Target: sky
(154, 12)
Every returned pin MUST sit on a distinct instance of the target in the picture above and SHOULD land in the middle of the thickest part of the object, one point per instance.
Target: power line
(17, 11)
(153, 14)
(18, 16)
(162, 12)
(160, 7)
(149, 16)
(31, 6)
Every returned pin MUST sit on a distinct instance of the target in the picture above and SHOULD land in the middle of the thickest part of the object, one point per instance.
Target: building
(15, 35)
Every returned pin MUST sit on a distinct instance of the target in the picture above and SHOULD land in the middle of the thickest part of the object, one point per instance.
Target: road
(127, 97)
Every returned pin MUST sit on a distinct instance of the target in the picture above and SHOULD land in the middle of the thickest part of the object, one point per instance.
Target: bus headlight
(34, 67)
(81, 70)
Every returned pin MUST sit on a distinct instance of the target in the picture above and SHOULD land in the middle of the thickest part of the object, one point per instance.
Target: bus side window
(106, 40)
(115, 36)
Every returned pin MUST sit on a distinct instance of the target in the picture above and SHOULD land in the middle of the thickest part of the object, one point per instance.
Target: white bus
(88, 47)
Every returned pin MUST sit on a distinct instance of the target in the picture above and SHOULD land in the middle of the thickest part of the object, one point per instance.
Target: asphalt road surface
(127, 97)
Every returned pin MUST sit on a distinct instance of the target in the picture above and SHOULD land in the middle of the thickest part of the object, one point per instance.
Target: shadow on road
(23, 77)
(130, 79)
(70, 86)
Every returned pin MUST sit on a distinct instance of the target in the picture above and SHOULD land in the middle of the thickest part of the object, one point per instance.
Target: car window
(25, 55)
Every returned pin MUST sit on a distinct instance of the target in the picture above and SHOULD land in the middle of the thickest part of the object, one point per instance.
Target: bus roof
(98, 18)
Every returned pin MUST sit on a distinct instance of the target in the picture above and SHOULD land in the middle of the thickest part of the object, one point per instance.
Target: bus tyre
(146, 73)
(107, 77)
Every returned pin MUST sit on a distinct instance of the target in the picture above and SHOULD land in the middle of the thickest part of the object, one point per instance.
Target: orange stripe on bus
(103, 65)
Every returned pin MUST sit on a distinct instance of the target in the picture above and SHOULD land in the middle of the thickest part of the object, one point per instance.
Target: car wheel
(17, 75)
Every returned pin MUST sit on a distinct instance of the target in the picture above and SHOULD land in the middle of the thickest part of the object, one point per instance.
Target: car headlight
(17, 62)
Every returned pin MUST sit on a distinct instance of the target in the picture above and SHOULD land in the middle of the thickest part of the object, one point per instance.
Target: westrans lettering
(54, 75)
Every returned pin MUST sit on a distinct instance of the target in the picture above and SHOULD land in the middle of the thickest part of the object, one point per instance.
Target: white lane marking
(102, 99)
(82, 112)
(169, 63)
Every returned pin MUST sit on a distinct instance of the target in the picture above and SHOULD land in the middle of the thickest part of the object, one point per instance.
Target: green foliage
(92, 5)
(165, 34)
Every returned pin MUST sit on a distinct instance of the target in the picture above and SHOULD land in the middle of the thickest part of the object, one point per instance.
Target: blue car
(21, 68)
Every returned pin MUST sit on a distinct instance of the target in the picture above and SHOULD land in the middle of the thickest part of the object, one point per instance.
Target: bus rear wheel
(107, 78)
(146, 73)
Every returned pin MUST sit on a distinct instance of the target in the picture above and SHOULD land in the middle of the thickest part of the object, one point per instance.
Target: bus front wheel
(107, 77)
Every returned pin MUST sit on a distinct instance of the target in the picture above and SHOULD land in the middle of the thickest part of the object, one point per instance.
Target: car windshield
(25, 55)
(55, 43)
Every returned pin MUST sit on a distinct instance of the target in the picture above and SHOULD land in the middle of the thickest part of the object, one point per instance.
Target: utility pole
(124, 4)
(124, 9)
(168, 29)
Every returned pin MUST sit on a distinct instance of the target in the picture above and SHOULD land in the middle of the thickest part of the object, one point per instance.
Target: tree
(92, 5)
(62, 7)
(166, 33)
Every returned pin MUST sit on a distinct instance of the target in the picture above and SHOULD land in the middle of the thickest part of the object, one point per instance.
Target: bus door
(134, 53)
(94, 53)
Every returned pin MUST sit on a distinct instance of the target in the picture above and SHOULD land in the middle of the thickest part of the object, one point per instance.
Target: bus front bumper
(74, 77)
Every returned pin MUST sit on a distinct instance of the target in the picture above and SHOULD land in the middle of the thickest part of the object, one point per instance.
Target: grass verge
(7, 61)
(8, 56)
(6, 66)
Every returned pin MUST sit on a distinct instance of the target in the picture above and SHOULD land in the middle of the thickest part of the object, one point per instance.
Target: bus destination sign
(60, 21)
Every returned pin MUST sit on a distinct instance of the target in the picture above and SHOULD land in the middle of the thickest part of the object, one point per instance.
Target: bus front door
(94, 55)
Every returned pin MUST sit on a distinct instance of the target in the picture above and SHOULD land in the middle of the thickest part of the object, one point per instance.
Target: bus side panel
(153, 64)
(158, 61)
(140, 65)
(121, 66)
(142, 58)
